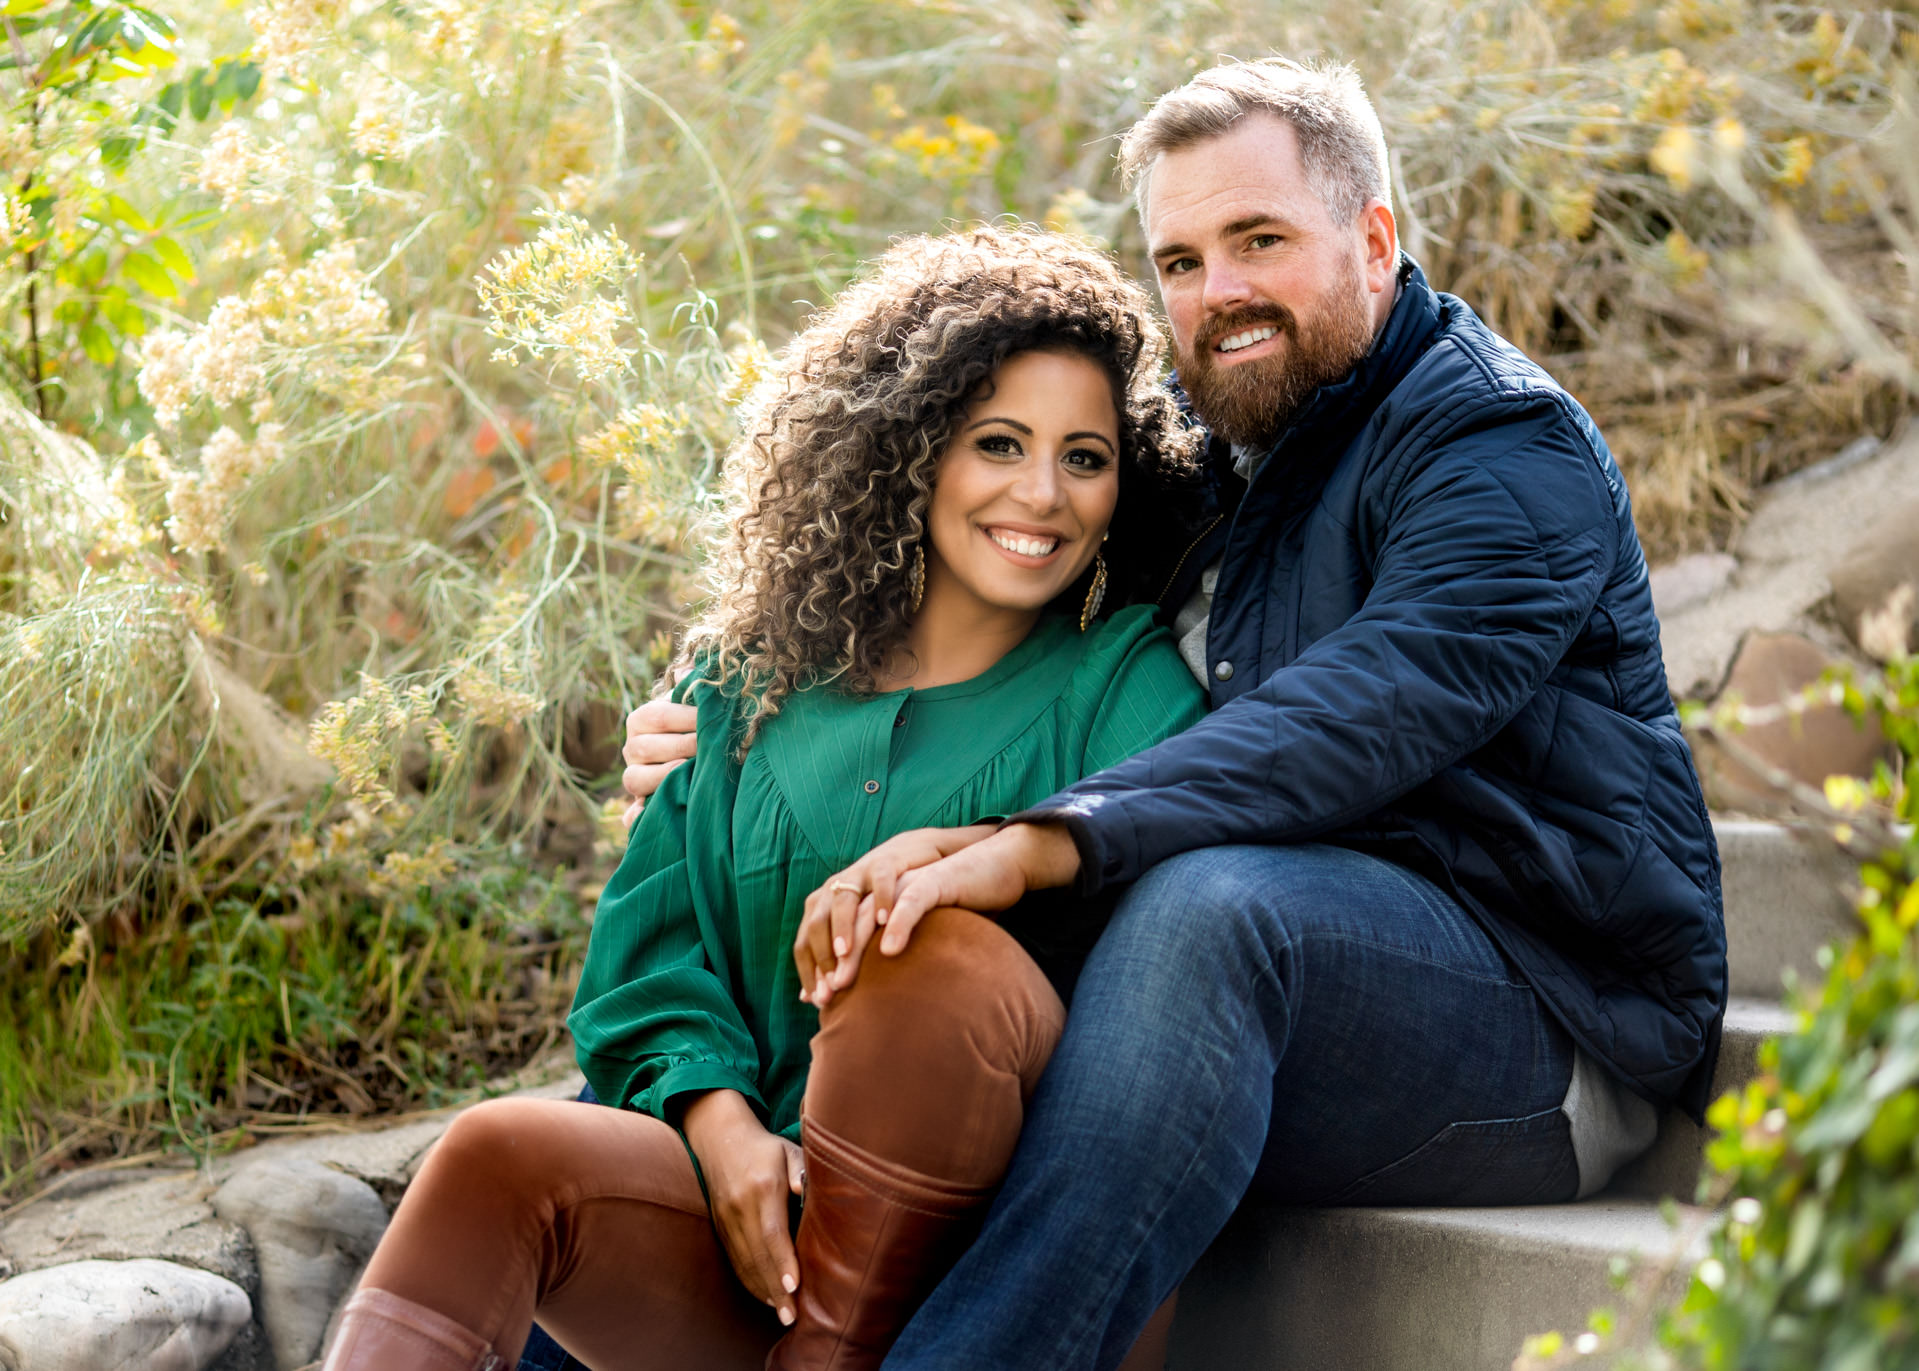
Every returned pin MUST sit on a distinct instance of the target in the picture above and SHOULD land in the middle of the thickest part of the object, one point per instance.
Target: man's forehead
(1209, 187)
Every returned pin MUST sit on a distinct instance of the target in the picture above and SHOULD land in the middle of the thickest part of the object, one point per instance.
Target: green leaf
(1807, 1219)
(127, 214)
(199, 95)
(174, 257)
(150, 276)
(97, 345)
(246, 80)
(119, 310)
(117, 151)
(11, 8)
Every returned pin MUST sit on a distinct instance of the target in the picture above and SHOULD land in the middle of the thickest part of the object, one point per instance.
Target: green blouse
(689, 982)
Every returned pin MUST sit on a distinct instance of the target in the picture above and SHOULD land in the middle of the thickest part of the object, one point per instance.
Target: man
(1426, 911)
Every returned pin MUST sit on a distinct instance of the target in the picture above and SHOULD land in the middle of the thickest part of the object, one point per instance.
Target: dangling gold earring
(916, 578)
(1096, 592)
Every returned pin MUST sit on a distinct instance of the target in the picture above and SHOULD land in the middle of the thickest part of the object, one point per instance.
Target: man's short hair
(1341, 146)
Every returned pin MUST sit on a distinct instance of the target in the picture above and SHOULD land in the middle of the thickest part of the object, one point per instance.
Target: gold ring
(847, 886)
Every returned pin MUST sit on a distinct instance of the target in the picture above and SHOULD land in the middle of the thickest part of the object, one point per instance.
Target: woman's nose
(1038, 487)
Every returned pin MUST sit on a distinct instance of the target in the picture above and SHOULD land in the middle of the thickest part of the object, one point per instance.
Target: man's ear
(1381, 237)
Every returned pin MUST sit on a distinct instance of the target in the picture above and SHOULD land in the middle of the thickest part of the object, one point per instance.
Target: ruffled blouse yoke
(689, 983)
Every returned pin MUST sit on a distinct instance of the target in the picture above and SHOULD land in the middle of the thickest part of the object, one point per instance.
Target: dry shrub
(325, 587)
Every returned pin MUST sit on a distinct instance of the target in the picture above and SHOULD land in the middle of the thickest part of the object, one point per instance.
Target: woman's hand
(989, 875)
(842, 914)
(749, 1174)
(659, 737)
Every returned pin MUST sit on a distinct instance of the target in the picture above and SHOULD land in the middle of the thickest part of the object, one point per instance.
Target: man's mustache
(1226, 325)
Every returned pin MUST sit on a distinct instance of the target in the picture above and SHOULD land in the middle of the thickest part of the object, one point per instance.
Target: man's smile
(1247, 338)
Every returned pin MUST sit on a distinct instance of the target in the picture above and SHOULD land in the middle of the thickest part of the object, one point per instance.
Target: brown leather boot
(380, 1331)
(874, 1240)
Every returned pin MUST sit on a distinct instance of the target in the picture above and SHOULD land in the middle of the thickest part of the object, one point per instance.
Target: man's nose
(1226, 287)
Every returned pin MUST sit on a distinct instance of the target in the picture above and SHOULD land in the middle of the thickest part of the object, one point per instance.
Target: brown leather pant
(593, 1219)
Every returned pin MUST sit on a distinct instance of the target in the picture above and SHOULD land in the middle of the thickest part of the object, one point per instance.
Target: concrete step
(1674, 1163)
(1785, 898)
(1410, 1289)
(1461, 1289)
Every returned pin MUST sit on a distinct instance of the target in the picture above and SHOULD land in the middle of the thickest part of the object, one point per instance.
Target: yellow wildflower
(1688, 262)
(1795, 161)
(543, 296)
(1673, 156)
(1571, 209)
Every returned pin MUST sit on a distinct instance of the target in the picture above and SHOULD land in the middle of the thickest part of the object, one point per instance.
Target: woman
(922, 523)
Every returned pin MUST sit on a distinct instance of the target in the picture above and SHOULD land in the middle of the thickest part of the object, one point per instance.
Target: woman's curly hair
(827, 489)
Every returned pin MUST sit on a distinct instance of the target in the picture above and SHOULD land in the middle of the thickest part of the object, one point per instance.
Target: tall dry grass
(342, 544)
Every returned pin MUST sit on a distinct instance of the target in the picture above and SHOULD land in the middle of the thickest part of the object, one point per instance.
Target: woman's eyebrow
(995, 419)
(1094, 434)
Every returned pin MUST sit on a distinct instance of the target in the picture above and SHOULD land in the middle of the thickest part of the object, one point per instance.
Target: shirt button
(1223, 670)
(872, 787)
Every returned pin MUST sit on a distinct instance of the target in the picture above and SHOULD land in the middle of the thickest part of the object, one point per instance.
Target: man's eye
(1263, 240)
(1179, 266)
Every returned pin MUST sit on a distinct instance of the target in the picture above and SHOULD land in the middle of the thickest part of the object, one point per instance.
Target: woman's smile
(1025, 546)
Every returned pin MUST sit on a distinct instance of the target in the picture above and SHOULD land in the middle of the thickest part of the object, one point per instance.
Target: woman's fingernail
(790, 1284)
(839, 947)
(880, 916)
(786, 1315)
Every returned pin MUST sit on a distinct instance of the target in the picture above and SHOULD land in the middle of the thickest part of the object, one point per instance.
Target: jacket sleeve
(1490, 549)
(652, 1019)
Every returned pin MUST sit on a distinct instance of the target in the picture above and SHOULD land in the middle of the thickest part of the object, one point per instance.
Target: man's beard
(1250, 404)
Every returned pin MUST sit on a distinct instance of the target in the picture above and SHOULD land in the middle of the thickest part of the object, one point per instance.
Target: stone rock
(164, 1215)
(313, 1229)
(1690, 580)
(1802, 529)
(1821, 742)
(140, 1315)
(1875, 590)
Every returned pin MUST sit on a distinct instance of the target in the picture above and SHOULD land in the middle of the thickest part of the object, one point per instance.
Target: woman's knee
(963, 984)
(499, 1145)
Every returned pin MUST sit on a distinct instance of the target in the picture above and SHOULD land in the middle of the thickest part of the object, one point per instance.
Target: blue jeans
(1303, 1024)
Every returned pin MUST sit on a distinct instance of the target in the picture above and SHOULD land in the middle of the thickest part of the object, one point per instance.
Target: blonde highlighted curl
(827, 489)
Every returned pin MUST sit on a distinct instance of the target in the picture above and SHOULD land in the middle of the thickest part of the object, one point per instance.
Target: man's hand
(989, 875)
(842, 914)
(749, 1173)
(659, 737)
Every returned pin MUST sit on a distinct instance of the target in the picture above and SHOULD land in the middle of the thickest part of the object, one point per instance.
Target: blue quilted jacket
(1433, 638)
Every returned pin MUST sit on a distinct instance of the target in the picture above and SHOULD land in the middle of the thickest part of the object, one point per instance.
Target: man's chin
(1243, 403)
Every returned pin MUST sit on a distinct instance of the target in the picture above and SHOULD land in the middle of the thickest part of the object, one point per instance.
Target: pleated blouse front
(689, 983)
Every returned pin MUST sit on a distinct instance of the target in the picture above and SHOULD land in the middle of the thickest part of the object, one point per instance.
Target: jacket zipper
(1180, 565)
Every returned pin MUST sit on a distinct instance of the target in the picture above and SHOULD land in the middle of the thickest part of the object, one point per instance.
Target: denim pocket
(1527, 1160)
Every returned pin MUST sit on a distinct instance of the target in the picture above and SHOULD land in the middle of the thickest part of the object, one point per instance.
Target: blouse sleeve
(1149, 696)
(653, 1018)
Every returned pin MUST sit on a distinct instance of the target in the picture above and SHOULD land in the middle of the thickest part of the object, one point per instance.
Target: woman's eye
(1003, 444)
(1087, 459)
